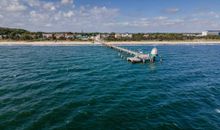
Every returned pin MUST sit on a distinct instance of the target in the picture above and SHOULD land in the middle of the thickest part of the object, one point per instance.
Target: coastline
(79, 43)
(45, 43)
(167, 42)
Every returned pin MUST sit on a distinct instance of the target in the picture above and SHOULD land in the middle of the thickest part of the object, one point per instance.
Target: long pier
(138, 57)
(120, 49)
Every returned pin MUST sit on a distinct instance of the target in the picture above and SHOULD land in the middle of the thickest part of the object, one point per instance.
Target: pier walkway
(138, 57)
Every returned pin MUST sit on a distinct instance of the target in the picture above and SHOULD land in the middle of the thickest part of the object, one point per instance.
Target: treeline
(21, 34)
(162, 37)
(212, 37)
(18, 34)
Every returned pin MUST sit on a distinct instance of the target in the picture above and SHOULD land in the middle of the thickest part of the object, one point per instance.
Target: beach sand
(168, 42)
(45, 43)
(78, 43)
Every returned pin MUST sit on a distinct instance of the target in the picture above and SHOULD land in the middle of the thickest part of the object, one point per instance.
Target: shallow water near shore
(92, 87)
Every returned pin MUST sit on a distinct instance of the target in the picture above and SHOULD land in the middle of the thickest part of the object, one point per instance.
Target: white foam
(217, 110)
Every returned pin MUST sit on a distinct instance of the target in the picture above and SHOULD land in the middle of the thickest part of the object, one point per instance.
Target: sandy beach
(45, 43)
(167, 42)
(78, 43)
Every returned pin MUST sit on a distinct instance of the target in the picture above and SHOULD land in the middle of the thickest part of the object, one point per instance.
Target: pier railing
(138, 57)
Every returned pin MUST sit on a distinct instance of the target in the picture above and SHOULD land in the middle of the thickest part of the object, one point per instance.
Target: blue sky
(111, 15)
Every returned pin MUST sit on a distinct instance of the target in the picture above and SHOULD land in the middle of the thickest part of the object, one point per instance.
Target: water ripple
(92, 87)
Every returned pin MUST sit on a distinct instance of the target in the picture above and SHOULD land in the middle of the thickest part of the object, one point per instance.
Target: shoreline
(167, 42)
(78, 43)
(45, 43)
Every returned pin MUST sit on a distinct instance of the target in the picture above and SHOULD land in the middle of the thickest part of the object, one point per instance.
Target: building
(105, 35)
(146, 35)
(211, 32)
(126, 35)
(192, 34)
(82, 37)
(92, 37)
(47, 35)
(59, 35)
(117, 35)
(69, 36)
(123, 35)
(97, 37)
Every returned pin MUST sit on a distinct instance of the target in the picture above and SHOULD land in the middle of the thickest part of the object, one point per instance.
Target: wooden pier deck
(138, 57)
(120, 49)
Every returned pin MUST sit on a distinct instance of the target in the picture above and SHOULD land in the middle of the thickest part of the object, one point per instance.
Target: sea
(95, 88)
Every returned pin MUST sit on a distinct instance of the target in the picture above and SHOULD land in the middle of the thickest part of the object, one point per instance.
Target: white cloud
(49, 6)
(161, 18)
(210, 14)
(149, 22)
(48, 25)
(36, 16)
(172, 10)
(33, 3)
(66, 1)
(68, 14)
(41, 15)
(15, 6)
(213, 14)
(50, 16)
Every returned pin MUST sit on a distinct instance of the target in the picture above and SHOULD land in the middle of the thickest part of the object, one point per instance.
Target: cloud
(38, 15)
(1, 16)
(33, 3)
(171, 10)
(15, 6)
(135, 23)
(161, 18)
(66, 1)
(149, 24)
(64, 15)
(213, 14)
(68, 14)
(49, 6)
(102, 13)
(48, 25)
(207, 14)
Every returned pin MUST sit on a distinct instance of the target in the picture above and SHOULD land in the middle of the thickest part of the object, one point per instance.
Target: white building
(123, 35)
(211, 32)
(69, 35)
(47, 35)
(105, 35)
(126, 35)
(59, 35)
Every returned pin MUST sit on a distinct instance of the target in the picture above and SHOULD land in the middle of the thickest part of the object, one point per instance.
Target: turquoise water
(92, 87)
